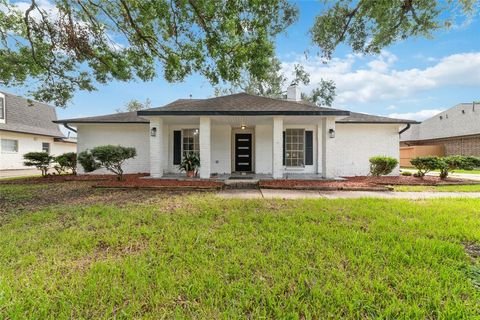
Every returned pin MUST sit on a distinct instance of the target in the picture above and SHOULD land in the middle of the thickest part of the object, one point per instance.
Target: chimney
(293, 93)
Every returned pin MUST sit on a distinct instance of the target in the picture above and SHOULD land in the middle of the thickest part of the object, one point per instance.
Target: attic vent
(463, 111)
(441, 117)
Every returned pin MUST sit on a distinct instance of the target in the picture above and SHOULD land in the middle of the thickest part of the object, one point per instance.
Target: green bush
(110, 157)
(190, 162)
(406, 173)
(381, 165)
(40, 160)
(66, 162)
(451, 163)
(425, 165)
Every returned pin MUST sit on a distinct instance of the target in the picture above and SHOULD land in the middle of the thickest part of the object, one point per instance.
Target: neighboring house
(457, 130)
(27, 126)
(243, 133)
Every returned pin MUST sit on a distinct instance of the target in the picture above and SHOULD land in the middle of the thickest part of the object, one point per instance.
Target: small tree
(110, 157)
(40, 160)
(380, 165)
(426, 164)
(66, 161)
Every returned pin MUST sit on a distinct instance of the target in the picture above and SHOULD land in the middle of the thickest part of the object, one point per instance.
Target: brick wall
(467, 146)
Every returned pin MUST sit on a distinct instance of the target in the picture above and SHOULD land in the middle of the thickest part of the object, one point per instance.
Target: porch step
(241, 183)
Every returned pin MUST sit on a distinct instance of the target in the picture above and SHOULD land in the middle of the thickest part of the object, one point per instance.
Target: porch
(248, 147)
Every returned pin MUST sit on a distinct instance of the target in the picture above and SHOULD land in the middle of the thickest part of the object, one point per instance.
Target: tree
(323, 95)
(368, 26)
(77, 44)
(110, 157)
(135, 105)
(66, 162)
(40, 160)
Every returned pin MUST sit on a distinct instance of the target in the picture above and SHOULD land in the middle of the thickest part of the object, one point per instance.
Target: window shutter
(177, 146)
(283, 148)
(308, 148)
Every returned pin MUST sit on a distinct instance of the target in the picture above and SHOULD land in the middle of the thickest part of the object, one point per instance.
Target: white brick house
(243, 133)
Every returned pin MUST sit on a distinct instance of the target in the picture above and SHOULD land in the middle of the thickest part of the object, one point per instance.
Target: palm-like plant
(190, 164)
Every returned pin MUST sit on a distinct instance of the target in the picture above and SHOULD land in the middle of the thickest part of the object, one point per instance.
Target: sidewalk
(304, 194)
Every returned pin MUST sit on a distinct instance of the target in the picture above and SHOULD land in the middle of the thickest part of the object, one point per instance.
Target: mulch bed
(172, 184)
(66, 177)
(409, 180)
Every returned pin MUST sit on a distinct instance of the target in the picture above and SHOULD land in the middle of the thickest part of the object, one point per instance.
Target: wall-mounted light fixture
(153, 132)
(243, 127)
(195, 132)
(331, 133)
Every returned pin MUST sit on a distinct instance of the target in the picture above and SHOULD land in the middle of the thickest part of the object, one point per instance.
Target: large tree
(75, 44)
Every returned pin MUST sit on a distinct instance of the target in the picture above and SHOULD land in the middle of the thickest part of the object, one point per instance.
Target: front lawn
(447, 188)
(132, 254)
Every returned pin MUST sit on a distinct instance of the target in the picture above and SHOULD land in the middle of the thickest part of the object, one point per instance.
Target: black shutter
(283, 151)
(308, 148)
(177, 147)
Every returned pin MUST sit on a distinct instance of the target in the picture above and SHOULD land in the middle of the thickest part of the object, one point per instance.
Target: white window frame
(8, 151)
(48, 147)
(295, 147)
(194, 146)
(3, 109)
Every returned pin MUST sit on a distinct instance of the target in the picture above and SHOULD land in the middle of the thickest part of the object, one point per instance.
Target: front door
(243, 152)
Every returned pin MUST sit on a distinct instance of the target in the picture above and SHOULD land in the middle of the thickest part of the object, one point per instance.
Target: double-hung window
(190, 141)
(9, 146)
(2, 108)
(294, 147)
(46, 147)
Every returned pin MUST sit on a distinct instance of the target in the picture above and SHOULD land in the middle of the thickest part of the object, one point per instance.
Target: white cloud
(392, 107)
(419, 115)
(379, 81)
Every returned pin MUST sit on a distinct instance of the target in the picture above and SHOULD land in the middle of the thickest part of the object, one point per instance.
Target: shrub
(452, 163)
(190, 162)
(425, 165)
(110, 157)
(381, 165)
(40, 160)
(65, 162)
(406, 173)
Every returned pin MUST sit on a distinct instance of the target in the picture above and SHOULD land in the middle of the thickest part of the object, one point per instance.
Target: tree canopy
(135, 105)
(75, 45)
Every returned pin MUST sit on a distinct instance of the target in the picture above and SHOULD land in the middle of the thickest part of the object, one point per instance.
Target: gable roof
(27, 116)
(356, 117)
(241, 104)
(123, 117)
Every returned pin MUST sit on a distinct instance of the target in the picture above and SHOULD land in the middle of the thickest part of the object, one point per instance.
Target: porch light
(243, 127)
(331, 133)
(153, 132)
(195, 132)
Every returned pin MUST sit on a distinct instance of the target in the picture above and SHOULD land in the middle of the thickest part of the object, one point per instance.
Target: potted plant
(190, 164)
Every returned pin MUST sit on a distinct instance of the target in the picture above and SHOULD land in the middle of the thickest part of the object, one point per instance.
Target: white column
(277, 148)
(205, 147)
(319, 147)
(328, 148)
(157, 152)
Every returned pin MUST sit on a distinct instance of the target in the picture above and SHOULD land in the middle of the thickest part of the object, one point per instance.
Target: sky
(414, 79)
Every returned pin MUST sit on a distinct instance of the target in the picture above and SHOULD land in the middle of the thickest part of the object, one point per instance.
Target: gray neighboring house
(27, 126)
(456, 129)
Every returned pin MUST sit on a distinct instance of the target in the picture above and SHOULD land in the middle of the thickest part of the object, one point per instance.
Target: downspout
(69, 128)
(401, 131)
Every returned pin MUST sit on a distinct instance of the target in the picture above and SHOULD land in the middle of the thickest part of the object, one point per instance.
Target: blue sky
(413, 78)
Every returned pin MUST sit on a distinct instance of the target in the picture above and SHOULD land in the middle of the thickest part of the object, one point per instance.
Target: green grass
(198, 256)
(448, 188)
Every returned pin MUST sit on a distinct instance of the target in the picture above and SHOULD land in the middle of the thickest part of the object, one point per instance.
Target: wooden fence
(408, 153)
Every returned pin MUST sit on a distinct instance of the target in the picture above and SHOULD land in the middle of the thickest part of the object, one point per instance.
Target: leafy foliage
(135, 105)
(190, 162)
(40, 160)
(381, 165)
(110, 157)
(75, 44)
(452, 163)
(425, 164)
(368, 26)
(66, 162)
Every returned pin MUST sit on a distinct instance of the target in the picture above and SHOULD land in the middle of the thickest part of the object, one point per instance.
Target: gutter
(405, 129)
(68, 127)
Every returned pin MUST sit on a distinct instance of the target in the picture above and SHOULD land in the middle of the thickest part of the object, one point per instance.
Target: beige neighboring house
(27, 126)
(456, 131)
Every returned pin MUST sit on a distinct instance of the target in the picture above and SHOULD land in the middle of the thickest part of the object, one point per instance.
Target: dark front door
(243, 152)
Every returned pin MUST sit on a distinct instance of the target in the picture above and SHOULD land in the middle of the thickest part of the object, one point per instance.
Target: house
(456, 131)
(243, 133)
(27, 126)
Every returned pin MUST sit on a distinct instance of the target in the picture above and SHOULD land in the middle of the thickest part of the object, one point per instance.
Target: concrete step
(241, 184)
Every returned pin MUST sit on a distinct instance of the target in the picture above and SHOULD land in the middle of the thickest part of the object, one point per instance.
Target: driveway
(304, 194)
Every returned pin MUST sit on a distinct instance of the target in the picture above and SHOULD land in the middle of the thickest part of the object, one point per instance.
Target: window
(46, 147)
(2, 108)
(190, 141)
(294, 147)
(9, 146)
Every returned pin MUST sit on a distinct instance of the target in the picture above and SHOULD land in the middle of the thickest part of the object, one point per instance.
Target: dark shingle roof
(123, 117)
(23, 115)
(356, 117)
(241, 104)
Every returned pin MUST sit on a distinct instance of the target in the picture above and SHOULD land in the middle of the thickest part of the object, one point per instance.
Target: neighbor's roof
(356, 117)
(236, 104)
(27, 116)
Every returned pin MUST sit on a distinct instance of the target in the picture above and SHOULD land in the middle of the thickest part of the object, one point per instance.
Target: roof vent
(293, 93)
(441, 118)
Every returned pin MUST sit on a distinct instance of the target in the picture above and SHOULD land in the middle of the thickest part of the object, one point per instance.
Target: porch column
(328, 148)
(277, 148)
(157, 152)
(205, 148)
(319, 147)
